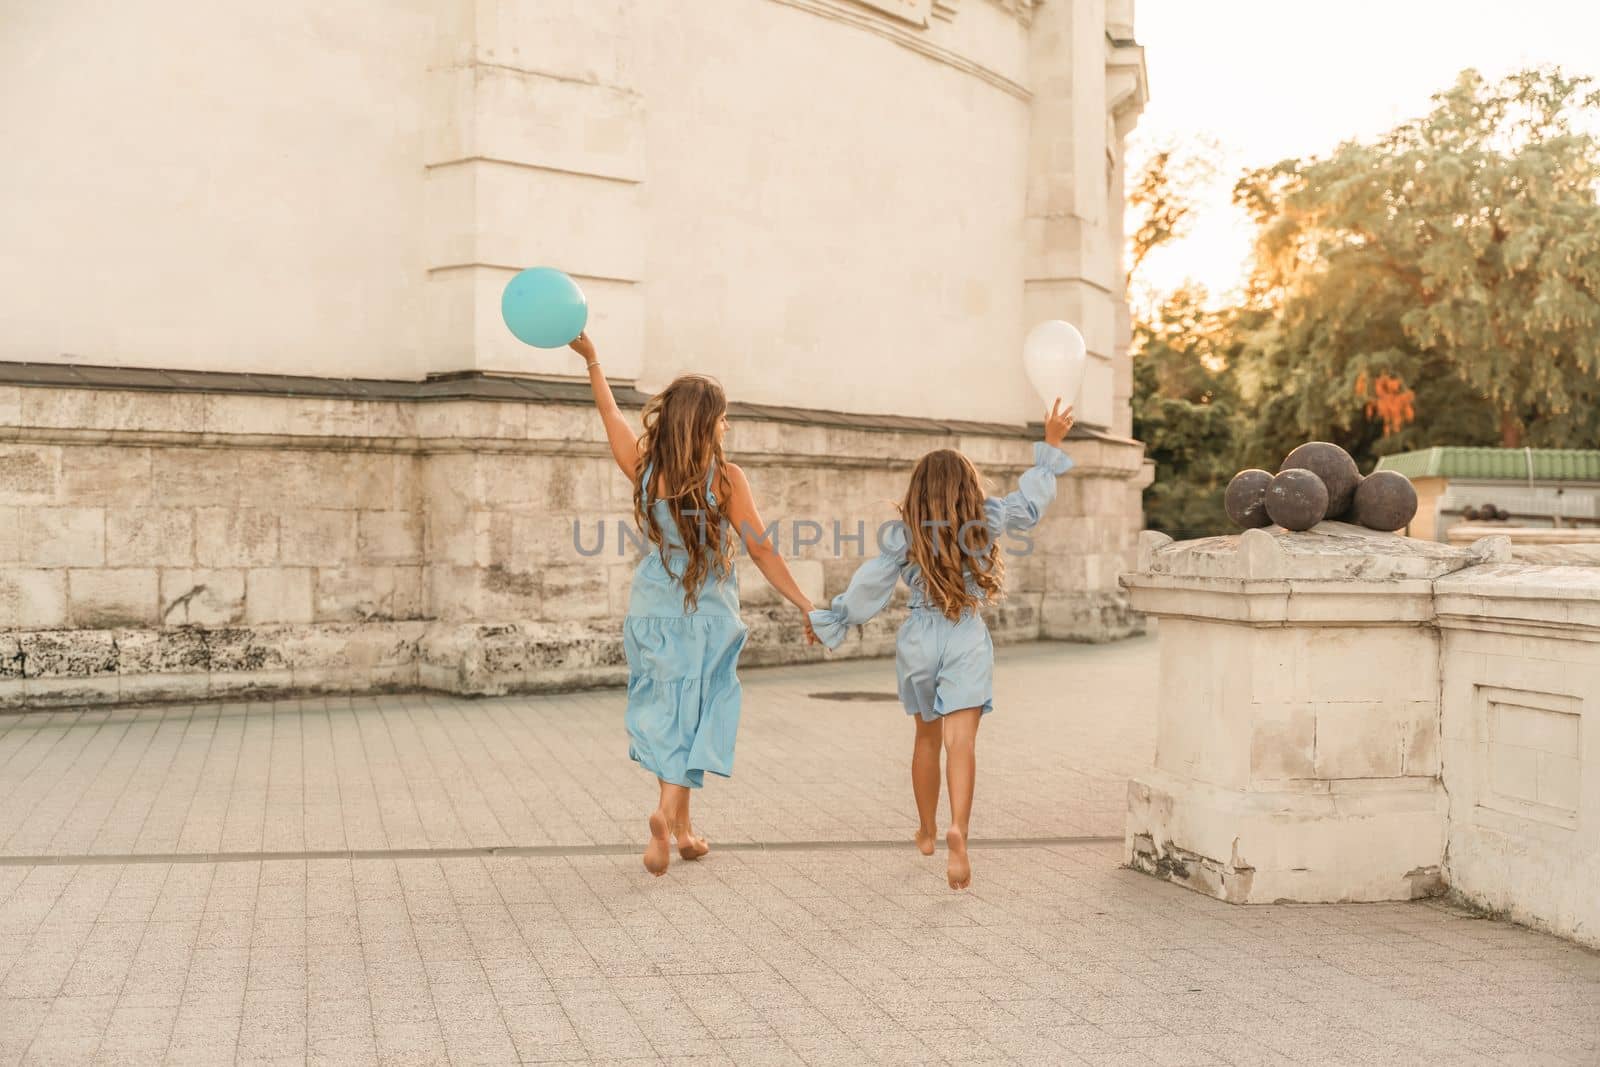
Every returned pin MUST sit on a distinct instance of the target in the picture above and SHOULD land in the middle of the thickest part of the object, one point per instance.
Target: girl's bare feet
(658, 853)
(959, 870)
(925, 839)
(690, 845)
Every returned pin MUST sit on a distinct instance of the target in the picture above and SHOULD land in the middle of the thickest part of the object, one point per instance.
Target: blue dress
(683, 689)
(944, 665)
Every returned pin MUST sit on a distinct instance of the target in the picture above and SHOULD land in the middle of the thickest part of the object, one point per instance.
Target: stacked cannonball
(1318, 481)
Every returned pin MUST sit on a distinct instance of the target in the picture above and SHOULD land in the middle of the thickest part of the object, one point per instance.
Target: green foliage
(1439, 285)
(1185, 410)
(1459, 253)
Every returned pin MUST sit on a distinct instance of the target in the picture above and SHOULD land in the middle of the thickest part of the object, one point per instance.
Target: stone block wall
(158, 543)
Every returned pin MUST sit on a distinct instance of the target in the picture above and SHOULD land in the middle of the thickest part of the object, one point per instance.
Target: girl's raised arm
(624, 442)
(1020, 510)
(746, 518)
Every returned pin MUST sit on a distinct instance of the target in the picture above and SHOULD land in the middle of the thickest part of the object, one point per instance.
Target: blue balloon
(544, 307)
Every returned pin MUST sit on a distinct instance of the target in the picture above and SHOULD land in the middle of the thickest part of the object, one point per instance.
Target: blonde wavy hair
(678, 451)
(947, 536)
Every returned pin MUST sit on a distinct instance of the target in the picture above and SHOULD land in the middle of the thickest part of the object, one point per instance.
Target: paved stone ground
(428, 771)
(814, 935)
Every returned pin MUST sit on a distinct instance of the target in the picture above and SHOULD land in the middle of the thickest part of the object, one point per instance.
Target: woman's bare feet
(959, 870)
(658, 853)
(925, 840)
(690, 845)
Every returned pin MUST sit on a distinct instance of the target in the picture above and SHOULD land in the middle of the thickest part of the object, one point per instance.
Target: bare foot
(658, 853)
(959, 870)
(690, 845)
(925, 839)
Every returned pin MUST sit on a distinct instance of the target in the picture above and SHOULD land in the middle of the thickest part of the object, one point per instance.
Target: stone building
(262, 429)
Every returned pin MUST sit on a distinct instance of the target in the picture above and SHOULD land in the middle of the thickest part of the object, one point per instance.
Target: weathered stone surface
(33, 598)
(68, 653)
(1283, 742)
(1331, 551)
(10, 534)
(195, 477)
(452, 593)
(108, 475)
(575, 592)
(101, 599)
(317, 537)
(278, 595)
(320, 479)
(505, 593)
(355, 594)
(389, 537)
(149, 537)
(111, 409)
(29, 474)
(63, 537)
(242, 650)
(482, 538)
(235, 537)
(11, 658)
(202, 597)
(1383, 671)
(173, 650)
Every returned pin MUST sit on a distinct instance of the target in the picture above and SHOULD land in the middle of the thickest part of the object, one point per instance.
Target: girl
(683, 634)
(946, 548)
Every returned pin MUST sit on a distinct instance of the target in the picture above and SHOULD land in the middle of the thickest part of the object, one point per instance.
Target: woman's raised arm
(624, 442)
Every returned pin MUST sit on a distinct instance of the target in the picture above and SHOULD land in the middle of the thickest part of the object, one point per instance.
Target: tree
(1183, 392)
(1185, 411)
(1161, 197)
(1456, 258)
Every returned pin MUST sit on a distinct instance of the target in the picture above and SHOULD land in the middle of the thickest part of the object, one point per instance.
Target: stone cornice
(44, 404)
(1406, 602)
(471, 386)
(910, 38)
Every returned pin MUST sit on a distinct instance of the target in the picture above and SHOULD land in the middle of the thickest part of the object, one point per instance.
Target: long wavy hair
(946, 535)
(678, 450)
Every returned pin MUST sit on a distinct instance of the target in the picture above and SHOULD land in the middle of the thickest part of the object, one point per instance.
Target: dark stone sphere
(1297, 499)
(1334, 466)
(1385, 500)
(1245, 498)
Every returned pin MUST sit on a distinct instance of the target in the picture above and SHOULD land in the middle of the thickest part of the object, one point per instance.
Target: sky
(1273, 79)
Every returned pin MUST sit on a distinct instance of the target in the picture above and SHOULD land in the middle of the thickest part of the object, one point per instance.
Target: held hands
(584, 347)
(1057, 423)
(805, 620)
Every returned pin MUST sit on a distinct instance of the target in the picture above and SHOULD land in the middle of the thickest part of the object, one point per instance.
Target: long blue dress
(683, 685)
(943, 665)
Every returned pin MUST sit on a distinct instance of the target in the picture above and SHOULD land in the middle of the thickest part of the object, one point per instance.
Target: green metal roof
(1511, 464)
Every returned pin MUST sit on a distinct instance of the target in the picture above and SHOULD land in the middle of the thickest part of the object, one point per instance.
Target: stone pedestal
(1298, 743)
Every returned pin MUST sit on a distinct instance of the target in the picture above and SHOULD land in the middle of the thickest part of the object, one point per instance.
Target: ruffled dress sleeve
(1035, 490)
(869, 591)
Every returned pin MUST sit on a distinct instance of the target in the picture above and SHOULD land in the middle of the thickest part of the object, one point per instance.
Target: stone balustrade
(1352, 716)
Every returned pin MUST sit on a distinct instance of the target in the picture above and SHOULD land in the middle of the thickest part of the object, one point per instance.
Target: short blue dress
(683, 685)
(944, 665)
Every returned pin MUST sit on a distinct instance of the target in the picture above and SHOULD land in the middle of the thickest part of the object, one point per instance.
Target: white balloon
(1055, 358)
